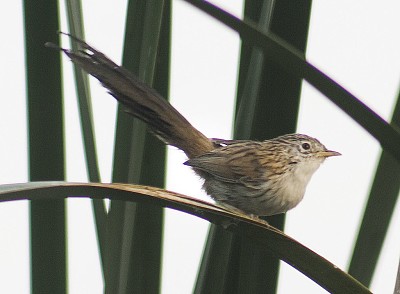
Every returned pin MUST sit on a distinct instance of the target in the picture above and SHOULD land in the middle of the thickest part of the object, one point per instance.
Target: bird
(257, 178)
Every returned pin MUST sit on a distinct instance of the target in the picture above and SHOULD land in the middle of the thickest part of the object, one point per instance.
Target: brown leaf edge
(324, 273)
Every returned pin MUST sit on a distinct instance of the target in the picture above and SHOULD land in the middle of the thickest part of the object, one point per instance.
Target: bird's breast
(294, 183)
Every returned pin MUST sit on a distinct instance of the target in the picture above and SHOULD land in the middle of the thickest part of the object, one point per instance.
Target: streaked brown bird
(257, 178)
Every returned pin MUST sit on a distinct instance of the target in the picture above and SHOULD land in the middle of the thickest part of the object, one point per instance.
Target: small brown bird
(257, 178)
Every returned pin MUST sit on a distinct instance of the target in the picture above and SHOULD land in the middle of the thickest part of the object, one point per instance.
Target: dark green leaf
(140, 251)
(46, 146)
(381, 203)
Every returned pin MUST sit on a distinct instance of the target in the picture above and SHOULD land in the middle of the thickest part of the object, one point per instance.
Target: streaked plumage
(261, 178)
(257, 178)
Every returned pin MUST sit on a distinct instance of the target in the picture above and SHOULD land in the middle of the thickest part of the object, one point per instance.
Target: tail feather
(140, 100)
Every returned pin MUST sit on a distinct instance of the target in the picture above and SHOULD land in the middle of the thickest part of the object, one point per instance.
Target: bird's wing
(232, 163)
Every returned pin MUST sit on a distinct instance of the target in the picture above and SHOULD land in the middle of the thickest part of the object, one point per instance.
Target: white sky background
(357, 47)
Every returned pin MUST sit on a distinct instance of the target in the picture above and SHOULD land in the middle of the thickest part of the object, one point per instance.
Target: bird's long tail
(140, 100)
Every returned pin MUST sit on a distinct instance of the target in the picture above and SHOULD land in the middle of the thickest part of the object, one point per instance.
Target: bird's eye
(306, 146)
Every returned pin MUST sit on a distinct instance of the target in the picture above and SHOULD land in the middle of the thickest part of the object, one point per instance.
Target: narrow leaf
(76, 28)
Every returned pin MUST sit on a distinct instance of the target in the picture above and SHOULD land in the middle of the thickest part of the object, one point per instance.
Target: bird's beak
(328, 153)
